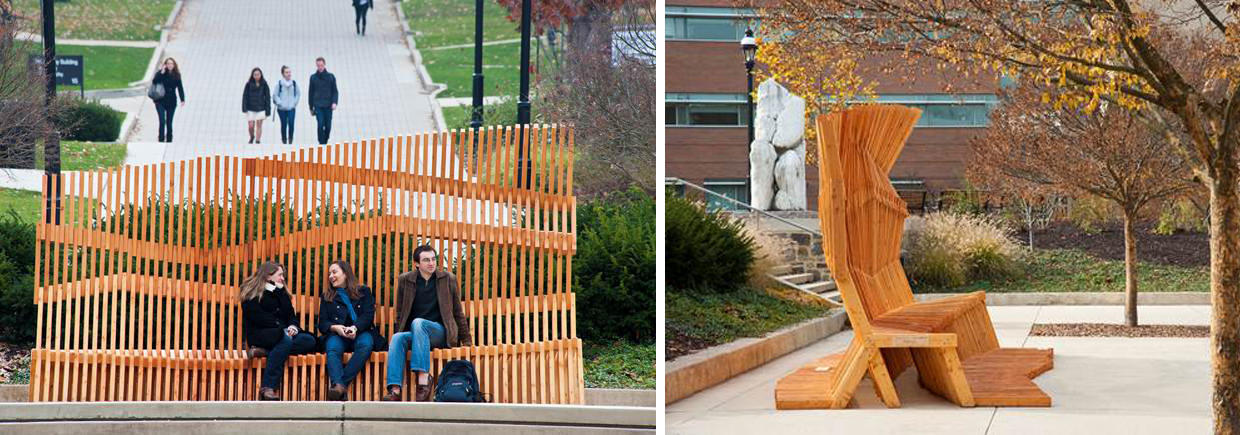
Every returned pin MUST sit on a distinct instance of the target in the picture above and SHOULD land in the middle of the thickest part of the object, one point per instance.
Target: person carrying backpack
(286, 97)
(429, 313)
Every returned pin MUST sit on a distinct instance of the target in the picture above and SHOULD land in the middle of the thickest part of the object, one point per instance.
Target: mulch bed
(10, 355)
(1113, 330)
(679, 345)
(1179, 249)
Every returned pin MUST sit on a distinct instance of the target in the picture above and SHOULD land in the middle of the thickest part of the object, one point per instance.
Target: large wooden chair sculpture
(136, 286)
(950, 341)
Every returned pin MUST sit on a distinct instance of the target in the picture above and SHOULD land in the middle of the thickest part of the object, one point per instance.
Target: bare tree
(24, 117)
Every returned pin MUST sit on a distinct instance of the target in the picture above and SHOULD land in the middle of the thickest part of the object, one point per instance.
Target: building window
(734, 188)
(720, 110)
(707, 24)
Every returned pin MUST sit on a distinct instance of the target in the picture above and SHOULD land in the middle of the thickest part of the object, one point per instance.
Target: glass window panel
(716, 29)
(713, 114)
(670, 115)
(953, 115)
(736, 190)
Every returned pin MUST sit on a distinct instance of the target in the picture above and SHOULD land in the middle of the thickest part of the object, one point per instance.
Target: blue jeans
(286, 124)
(423, 335)
(324, 117)
(337, 371)
(278, 354)
(165, 120)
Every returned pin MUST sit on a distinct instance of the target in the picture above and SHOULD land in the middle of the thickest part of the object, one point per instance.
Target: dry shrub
(950, 250)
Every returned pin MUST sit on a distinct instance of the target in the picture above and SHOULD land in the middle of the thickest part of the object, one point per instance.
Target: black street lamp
(523, 102)
(749, 46)
(51, 146)
(476, 121)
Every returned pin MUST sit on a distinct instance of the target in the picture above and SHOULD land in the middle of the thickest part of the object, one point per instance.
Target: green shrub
(613, 272)
(950, 250)
(91, 121)
(17, 317)
(707, 251)
(1090, 213)
(1180, 215)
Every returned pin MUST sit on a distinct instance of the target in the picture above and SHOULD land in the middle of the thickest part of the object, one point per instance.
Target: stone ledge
(620, 397)
(1082, 298)
(692, 373)
(289, 417)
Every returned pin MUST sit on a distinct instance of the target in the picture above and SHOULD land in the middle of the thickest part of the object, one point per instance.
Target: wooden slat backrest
(150, 258)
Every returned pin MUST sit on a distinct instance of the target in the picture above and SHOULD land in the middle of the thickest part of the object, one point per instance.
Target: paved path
(1098, 385)
(218, 42)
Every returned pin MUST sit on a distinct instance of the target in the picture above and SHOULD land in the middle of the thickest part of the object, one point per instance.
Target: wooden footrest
(1004, 377)
(811, 386)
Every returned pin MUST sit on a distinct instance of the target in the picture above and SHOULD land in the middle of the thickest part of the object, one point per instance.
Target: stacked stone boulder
(777, 154)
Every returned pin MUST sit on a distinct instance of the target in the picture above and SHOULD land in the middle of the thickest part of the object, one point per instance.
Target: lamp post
(476, 121)
(51, 147)
(749, 46)
(523, 102)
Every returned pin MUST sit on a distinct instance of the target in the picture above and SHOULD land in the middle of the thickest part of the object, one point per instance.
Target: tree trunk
(589, 33)
(1225, 298)
(1130, 270)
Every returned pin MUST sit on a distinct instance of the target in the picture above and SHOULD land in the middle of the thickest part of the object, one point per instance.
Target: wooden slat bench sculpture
(137, 285)
(950, 341)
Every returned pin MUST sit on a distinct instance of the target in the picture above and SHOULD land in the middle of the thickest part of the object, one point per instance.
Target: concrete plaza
(1098, 386)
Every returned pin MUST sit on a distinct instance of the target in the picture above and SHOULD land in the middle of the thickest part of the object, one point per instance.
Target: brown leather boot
(423, 393)
(393, 394)
(267, 394)
(337, 393)
(256, 352)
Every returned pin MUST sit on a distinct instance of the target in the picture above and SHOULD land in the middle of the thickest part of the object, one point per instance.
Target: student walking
(285, 99)
(165, 88)
(323, 97)
(256, 104)
(346, 316)
(361, 7)
(429, 315)
(271, 325)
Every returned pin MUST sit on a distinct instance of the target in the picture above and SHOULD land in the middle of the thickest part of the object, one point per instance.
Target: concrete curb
(14, 393)
(690, 374)
(202, 417)
(1082, 298)
(428, 85)
(621, 397)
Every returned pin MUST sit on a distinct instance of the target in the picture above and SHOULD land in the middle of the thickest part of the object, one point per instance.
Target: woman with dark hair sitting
(271, 325)
(346, 316)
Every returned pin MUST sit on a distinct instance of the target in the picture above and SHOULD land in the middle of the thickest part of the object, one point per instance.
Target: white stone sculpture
(777, 154)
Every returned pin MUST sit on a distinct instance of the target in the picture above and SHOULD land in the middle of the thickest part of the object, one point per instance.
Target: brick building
(706, 113)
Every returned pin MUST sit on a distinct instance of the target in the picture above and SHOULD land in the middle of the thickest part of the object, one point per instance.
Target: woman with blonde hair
(271, 325)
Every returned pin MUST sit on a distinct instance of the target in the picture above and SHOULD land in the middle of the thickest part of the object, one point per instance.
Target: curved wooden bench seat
(950, 341)
(136, 282)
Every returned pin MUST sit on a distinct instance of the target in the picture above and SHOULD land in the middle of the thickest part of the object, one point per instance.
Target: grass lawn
(117, 20)
(620, 365)
(106, 67)
(441, 23)
(75, 156)
(109, 67)
(1069, 270)
(695, 321)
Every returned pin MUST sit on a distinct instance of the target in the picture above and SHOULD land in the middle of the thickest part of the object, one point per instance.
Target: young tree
(1109, 153)
(24, 116)
(589, 22)
(1181, 60)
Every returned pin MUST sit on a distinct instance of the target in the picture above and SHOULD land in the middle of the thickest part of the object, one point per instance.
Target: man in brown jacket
(428, 309)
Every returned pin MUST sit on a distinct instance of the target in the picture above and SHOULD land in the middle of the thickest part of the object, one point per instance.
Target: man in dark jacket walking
(323, 98)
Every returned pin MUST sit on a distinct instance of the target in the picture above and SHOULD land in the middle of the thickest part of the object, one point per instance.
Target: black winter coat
(358, 3)
(256, 98)
(172, 87)
(264, 318)
(336, 313)
(323, 91)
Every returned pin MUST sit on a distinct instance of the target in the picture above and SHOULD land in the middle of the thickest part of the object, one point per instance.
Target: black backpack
(458, 382)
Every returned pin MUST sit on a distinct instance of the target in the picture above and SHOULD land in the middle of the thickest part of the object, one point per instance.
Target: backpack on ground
(458, 382)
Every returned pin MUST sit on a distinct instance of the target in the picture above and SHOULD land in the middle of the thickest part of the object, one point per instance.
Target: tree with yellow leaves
(1176, 62)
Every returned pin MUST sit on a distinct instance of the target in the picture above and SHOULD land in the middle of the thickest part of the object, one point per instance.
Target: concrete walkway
(1098, 385)
(218, 42)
